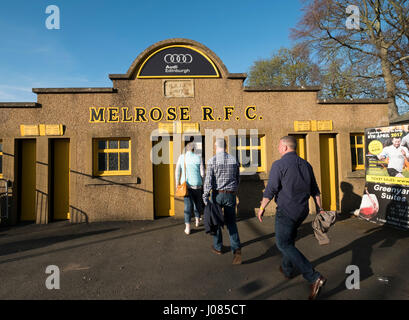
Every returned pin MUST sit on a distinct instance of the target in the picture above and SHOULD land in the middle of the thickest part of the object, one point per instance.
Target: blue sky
(97, 38)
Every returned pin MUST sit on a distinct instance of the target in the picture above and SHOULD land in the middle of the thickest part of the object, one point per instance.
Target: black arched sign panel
(178, 62)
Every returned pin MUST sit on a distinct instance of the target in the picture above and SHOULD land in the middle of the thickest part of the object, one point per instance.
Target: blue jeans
(228, 202)
(193, 201)
(286, 232)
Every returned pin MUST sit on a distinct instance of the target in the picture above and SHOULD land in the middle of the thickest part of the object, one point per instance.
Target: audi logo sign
(178, 61)
(178, 58)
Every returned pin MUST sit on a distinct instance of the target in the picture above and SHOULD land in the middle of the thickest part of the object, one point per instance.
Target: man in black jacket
(292, 182)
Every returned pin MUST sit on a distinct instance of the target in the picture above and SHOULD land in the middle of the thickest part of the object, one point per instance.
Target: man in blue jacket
(292, 182)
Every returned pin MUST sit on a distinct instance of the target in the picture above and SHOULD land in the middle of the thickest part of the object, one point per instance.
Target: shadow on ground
(31, 244)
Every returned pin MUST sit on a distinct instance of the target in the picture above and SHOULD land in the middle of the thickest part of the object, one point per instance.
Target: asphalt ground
(156, 260)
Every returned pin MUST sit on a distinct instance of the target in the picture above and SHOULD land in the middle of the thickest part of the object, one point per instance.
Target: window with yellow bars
(357, 151)
(112, 157)
(1, 159)
(249, 152)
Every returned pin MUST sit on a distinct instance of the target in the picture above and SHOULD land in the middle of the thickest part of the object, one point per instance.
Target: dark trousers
(392, 172)
(285, 233)
(228, 202)
(193, 201)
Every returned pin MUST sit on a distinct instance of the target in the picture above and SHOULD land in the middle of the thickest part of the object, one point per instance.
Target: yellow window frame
(261, 147)
(357, 146)
(2, 159)
(118, 150)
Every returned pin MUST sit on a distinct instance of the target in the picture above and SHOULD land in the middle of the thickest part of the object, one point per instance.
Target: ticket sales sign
(178, 61)
(386, 195)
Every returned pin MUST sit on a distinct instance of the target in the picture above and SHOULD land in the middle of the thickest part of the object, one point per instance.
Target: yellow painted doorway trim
(171, 180)
(61, 179)
(329, 177)
(164, 184)
(301, 145)
(28, 180)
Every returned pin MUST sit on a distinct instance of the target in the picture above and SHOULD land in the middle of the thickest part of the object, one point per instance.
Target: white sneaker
(197, 222)
(187, 229)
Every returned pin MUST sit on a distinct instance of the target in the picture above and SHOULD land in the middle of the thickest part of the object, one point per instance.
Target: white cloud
(15, 88)
(6, 96)
(16, 94)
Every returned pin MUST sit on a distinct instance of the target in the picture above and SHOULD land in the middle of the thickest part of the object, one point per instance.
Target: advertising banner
(178, 61)
(386, 196)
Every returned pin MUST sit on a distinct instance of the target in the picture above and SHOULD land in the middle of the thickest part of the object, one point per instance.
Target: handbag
(181, 189)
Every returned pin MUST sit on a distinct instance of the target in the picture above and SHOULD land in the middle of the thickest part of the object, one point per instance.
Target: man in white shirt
(405, 141)
(396, 154)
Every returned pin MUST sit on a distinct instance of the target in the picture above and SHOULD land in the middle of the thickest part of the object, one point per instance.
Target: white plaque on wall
(179, 88)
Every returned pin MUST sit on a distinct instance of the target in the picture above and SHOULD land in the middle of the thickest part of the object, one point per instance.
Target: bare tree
(379, 33)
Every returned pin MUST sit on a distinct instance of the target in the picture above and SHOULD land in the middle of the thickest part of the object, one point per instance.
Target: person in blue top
(291, 183)
(193, 176)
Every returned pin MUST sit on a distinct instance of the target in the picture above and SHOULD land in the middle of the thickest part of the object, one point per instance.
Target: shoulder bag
(181, 189)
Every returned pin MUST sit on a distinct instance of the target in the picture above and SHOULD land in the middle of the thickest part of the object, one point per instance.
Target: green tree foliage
(287, 67)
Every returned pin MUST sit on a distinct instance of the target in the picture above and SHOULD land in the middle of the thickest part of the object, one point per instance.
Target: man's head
(396, 142)
(220, 144)
(287, 144)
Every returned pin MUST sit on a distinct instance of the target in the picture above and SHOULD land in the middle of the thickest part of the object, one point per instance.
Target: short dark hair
(220, 143)
(290, 142)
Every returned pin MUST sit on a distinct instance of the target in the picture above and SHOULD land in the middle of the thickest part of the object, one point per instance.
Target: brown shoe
(316, 286)
(216, 251)
(237, 256)
(285, 276)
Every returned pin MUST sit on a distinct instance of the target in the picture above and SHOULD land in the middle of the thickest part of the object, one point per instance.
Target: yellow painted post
(332, 171)
(328, 172)
(28, 180)
(164, 180)
(61, 160)
(325, 185)
(301, 145)
(301, 150)
(263, 167)
(171, 180)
